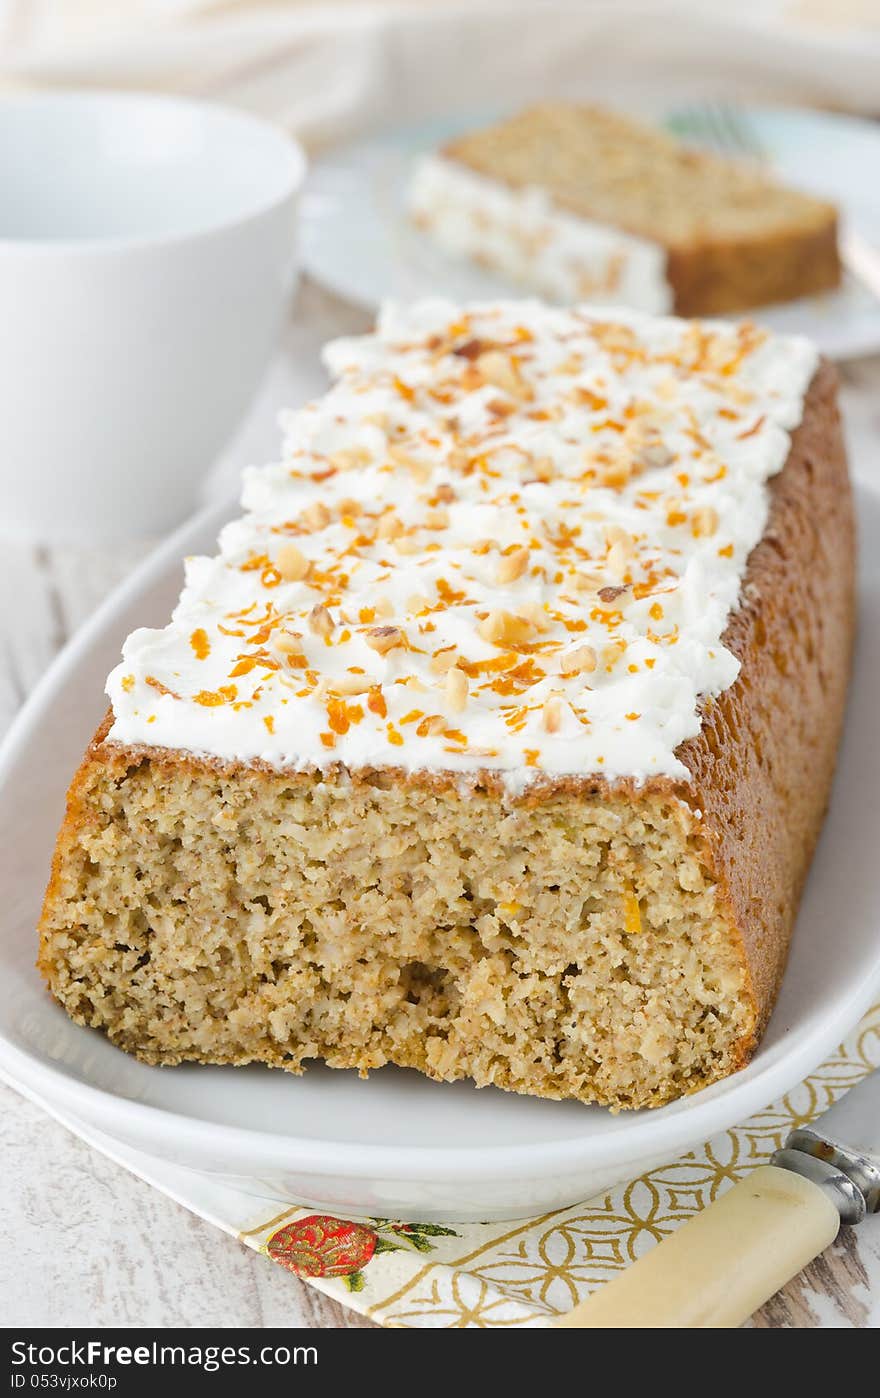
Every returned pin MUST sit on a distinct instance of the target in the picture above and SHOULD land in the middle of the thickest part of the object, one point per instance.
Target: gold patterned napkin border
(501, 1275)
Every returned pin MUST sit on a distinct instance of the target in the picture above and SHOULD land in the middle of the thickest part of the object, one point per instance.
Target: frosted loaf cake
(496, 738)
(579, 204)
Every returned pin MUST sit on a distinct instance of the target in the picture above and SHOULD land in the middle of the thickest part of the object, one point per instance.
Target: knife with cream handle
(718, 1268)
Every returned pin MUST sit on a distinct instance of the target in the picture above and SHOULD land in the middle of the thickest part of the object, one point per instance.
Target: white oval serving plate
(362, 187)
(397, 1144)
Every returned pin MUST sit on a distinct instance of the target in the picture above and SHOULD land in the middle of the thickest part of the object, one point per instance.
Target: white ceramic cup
(147, 249)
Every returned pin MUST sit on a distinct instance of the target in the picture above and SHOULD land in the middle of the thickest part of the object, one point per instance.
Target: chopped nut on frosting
(456, 688)
(581, 660)
(292, 563)
(385, 638)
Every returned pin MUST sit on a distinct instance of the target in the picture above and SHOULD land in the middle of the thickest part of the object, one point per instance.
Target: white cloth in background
(326, 70)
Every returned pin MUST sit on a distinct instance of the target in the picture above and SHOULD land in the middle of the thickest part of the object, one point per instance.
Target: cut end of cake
(572, 947)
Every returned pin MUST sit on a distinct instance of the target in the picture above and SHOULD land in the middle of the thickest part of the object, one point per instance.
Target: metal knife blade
(847, 1136)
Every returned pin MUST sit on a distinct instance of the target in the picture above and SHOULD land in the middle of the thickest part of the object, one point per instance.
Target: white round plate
(357, 240)
(397, 1144)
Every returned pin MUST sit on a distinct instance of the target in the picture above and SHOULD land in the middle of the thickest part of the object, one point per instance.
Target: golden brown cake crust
(763, 762)
(714, 279)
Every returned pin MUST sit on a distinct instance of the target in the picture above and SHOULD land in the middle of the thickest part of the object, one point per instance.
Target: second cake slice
(582, 204)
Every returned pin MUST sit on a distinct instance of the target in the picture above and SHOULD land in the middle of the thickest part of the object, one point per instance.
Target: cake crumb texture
(574, 948)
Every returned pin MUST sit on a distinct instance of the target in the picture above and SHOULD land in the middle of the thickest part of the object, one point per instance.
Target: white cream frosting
(523, 235)
(556, 504)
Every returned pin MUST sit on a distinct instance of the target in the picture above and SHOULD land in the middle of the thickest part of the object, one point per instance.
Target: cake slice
(495, 740)
(581, 204)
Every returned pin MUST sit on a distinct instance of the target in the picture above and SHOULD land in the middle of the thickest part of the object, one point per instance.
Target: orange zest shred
(632, 914)
(200, 643)
(376, 702)
(211, 698)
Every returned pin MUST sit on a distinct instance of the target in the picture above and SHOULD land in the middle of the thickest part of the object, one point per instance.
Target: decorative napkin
(483, 1275)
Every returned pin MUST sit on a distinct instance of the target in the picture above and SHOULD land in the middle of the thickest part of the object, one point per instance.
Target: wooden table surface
(84, 1242)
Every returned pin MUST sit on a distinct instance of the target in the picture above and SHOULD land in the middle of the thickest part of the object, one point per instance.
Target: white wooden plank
(93, 1246)
(30, 630)
(78, 578)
